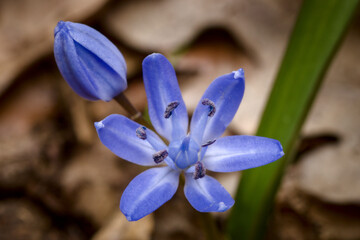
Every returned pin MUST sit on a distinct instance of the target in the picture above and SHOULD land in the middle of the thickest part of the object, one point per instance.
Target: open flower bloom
(193, 153)
(91, 64)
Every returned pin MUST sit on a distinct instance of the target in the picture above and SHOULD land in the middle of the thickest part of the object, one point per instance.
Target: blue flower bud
(91, 64)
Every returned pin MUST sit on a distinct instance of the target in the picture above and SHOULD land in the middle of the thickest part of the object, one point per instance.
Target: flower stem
(210, 227)
(207, 220)
(134, 113)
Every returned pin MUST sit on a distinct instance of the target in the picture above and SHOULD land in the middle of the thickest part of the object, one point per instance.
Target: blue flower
(92, 66)
(192, 153)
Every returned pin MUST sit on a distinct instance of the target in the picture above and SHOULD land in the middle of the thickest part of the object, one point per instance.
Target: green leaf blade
(316, 36)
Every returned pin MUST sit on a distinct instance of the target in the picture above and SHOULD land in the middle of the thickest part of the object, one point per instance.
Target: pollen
(211, 104)
(140, 132)
(160, 156)
(170, 108)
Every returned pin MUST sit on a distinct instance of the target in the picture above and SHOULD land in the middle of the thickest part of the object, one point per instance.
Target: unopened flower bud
(91, 64)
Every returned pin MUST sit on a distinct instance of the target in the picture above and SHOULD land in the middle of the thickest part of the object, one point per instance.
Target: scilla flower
(192, 153)
(92, 66)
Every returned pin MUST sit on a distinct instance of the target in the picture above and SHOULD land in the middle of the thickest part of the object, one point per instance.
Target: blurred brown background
(57, 181)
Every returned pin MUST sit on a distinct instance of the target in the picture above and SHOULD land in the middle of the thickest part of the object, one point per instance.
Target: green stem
(207, 220)
(210, 227)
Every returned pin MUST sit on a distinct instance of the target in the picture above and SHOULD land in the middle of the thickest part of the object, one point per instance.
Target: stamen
(170, 108)
(199, 170)
(211, 105)
(140, 132)
(208, 143)
(160, 156)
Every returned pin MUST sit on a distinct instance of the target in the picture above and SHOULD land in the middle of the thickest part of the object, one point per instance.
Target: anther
(170, 108)
(199, 170)
(140, 132)
(208, 143)
(160, 156)
(211, 105)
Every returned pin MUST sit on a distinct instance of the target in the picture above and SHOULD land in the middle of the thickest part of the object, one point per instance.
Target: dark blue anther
(160, 156)
(211, 105)
(208, 143)
(170, 108)
(140, 132)
(199, 170)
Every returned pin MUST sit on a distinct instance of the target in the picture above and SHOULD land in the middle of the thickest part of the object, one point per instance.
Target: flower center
(184, 153)
(188, 151)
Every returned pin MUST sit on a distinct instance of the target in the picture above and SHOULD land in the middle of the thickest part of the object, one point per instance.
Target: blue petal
(235, 153)
(148, 191)
(118, 133)
(226, 93)
(207, 194)
(162, 89)
(89, 62)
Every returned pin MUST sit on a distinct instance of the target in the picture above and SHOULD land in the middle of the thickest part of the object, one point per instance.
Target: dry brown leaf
(301, 216)
(22, 220)
(26, 127)
(332, 173)
(26, 30)
(167, 25)
(119, 228)
(260, 28)
(94, 180)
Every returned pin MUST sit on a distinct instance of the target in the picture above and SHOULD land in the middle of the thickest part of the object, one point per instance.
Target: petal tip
(152, 57)
(99, 125)
(155, 54)
(281, 153)
(60, 26)
(281, 150)
(239, 73)
(129, 218)
(222, 207)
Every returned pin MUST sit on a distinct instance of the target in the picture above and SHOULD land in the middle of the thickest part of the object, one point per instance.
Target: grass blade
(316, 36)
